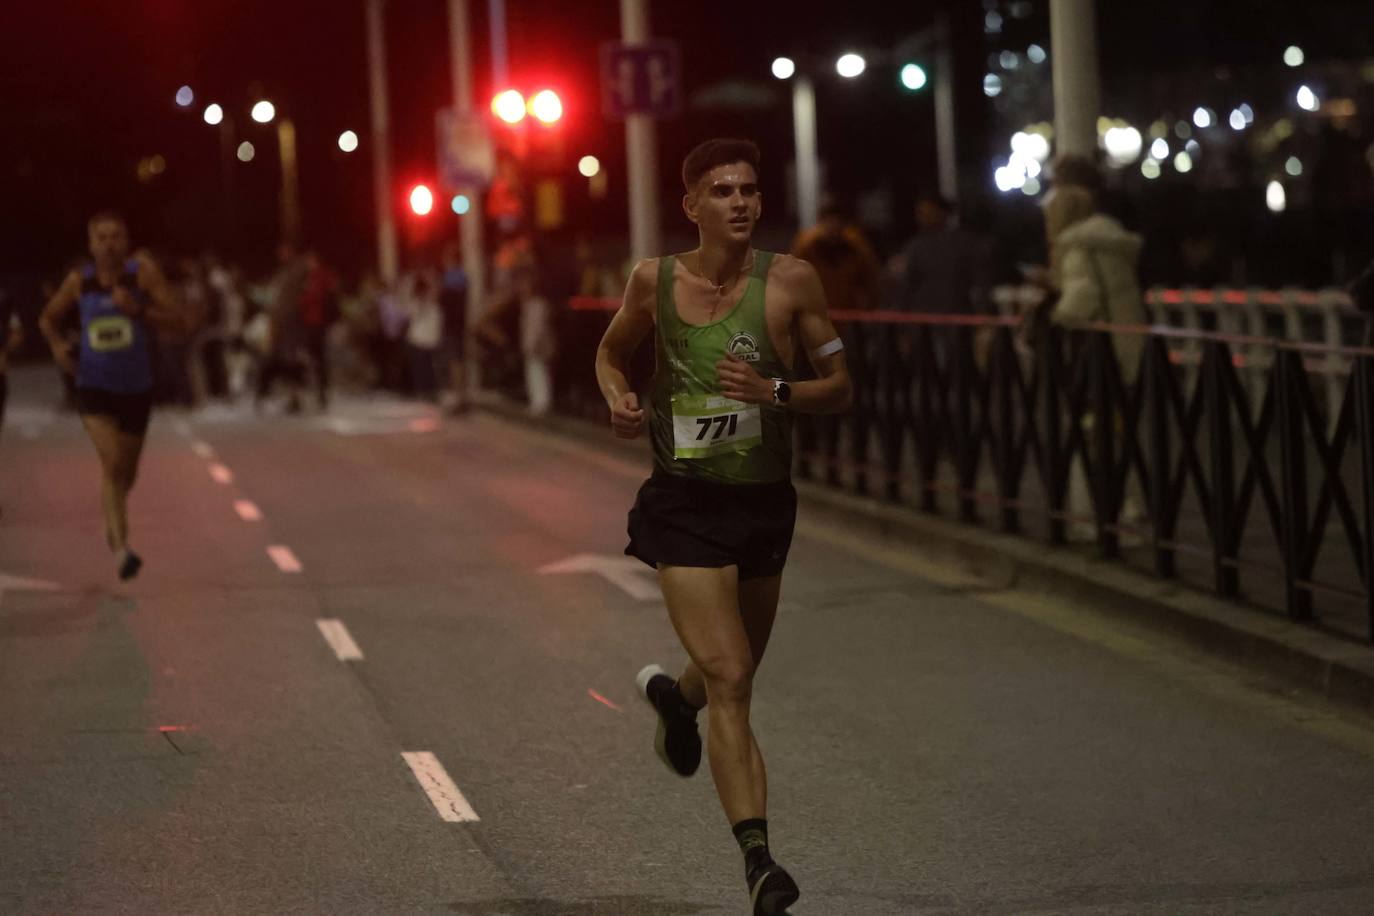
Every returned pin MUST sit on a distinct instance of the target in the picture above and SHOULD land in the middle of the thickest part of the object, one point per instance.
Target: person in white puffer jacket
(1094, 265)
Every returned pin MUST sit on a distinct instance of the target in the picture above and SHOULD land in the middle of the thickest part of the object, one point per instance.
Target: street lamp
(185, 97)
(850, 66)
(784, 67)
(213, 114)
(264, 111)
(348, 141)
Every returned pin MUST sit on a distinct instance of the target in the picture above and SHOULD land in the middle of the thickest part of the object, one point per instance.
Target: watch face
(784, 392)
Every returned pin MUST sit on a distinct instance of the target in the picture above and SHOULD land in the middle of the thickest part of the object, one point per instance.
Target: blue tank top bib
(115, 351)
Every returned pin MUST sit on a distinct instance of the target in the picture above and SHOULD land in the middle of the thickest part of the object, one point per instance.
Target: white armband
(827, 349)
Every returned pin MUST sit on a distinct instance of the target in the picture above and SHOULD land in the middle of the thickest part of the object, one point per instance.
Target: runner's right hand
(65, 357)
(627, 418)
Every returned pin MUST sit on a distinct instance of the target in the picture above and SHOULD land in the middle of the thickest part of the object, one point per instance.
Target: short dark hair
(720, 151)
(106, 216)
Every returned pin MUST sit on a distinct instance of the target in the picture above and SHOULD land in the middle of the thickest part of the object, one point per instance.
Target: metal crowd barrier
(1325, 316)
(1192, 457)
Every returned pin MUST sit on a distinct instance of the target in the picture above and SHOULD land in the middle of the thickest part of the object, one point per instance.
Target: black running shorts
(130, 411)
(679, 521)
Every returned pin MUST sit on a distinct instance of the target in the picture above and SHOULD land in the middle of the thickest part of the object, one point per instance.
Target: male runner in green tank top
(716, 517)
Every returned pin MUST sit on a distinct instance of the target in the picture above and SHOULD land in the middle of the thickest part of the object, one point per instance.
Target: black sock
(676, 697)
(752, 836)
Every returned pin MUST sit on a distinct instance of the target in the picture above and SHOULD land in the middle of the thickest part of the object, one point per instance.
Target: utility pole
(500, 66)
(808, 160)
(946, 153)
(387, 259)
(1077, 90)
(469, 226)
(290, 182)
(641, 148)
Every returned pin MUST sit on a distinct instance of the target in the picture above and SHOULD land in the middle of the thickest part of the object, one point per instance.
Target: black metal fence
(1222, 466)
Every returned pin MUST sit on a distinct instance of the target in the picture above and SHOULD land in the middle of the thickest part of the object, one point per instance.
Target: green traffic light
(914, 77)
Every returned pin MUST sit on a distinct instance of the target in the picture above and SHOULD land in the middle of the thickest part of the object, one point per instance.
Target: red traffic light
(546, 106)
(421, 200)
(509, 106)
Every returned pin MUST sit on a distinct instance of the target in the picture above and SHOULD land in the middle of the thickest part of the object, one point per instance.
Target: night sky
(87, 91)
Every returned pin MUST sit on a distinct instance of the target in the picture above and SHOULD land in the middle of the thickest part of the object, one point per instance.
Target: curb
(1339, 668)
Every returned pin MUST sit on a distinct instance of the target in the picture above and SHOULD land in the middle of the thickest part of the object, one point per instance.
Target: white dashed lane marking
(247, 510)
(443, 794)
(221, 474)
(286, 560)
(339, 639)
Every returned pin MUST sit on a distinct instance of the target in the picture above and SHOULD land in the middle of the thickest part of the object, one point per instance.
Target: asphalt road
(207, 739)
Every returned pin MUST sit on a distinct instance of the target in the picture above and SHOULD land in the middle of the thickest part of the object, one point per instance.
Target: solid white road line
(443, 794)
(203, 449)
(337, 635)
(247, 510)
(221, 474)
(286, 560)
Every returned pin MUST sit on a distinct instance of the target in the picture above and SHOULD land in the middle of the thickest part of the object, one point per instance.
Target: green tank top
(696, 431)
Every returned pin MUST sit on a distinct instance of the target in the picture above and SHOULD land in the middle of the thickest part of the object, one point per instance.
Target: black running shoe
(677, 742)
(772, 891)
(130, 567)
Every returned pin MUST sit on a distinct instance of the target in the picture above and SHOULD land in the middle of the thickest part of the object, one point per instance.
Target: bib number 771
(706, 425)
(721, 424)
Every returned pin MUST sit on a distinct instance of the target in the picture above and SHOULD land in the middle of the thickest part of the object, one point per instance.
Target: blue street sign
(465, 155)
(640, 79)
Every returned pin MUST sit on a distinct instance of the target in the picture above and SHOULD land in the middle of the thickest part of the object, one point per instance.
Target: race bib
(709, 424)
(110, 333)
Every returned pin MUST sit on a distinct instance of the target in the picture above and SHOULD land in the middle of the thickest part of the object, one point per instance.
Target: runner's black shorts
(130, 411)
(681, 521)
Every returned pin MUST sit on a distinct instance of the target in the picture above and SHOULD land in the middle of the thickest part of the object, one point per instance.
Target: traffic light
(421, 200)
(546, 107)
(510, 106)
(914, 77)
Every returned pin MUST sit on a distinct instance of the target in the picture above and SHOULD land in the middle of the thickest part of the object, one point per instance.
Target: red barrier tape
(602, 304)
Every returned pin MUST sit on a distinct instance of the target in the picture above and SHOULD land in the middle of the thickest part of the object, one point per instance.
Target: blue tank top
(115, 351)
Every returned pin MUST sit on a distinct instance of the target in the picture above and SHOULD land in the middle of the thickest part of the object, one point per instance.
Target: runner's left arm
(831, 391)
(164, 309)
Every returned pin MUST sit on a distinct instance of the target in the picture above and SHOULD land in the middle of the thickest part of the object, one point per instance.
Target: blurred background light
(1275, 198)
(850, 66)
